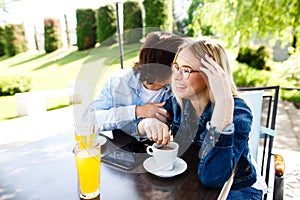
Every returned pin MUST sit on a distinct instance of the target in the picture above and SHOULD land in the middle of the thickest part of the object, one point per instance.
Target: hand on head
(217, 80)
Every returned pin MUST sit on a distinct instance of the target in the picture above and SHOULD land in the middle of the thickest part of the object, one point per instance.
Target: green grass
(57, 69)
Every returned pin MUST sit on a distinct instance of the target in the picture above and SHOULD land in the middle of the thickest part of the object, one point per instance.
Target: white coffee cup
(164, 156)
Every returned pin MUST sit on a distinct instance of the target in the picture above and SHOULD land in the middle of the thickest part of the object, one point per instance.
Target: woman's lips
(180, 86)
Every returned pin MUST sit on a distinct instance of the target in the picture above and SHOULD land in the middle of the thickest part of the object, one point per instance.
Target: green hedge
(15, 39)
(86, 28)
(14, 84)
(132, 22)
(245, 76)
(2, 41)
(106, 25)
(52, 34)
(254, 57)
(158, 14)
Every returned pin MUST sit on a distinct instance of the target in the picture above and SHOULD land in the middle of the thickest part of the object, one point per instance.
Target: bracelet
(224, 123)
(224, 120)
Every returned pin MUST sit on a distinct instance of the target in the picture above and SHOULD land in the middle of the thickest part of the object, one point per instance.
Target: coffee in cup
(164, 155)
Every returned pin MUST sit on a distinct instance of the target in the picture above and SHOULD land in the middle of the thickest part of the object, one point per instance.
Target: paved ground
(287, 143)
(28, 129)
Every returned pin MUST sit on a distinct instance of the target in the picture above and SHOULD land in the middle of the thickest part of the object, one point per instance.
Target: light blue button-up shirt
(115, 105)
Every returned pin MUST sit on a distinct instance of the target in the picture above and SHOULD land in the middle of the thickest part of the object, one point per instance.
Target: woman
(139, 91)
(207, 111)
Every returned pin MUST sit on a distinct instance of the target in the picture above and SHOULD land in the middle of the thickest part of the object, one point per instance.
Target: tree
(67, 31)
(192, 10)
(86, 28)
(52, 34)
(159, 14)
(248, 20)
(36, 40)
(106, 25)
(132, 22)
(294, 16)
(15, 40)
(2, 41)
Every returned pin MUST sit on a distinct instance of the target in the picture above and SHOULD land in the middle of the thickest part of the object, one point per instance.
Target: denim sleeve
(221, 151)
(169, 106)
(212, 137)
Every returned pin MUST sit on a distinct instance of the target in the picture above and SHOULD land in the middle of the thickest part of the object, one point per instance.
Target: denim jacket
(220, 152)
(115, 105)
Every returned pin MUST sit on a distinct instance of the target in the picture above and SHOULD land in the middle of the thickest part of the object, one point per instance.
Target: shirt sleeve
(108, 115)
(115, 117)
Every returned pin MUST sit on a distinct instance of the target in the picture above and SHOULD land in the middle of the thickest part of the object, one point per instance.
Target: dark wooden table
(46, 170)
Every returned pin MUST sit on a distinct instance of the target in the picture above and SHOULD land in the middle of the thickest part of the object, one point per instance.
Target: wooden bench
(29, 103)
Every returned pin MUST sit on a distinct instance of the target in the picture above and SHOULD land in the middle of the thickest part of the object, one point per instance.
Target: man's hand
(152, 110)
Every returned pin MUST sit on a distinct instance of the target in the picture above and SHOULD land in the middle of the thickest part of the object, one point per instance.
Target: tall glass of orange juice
(88, 161)
(85, 141)
(84, 135)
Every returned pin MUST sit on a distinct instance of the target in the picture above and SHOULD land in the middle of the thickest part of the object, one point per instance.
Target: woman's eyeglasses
(184, 70)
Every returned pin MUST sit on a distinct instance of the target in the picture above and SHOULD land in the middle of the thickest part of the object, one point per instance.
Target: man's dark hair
(156, 56)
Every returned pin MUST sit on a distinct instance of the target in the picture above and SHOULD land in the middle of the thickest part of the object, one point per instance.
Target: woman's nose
(177, 75)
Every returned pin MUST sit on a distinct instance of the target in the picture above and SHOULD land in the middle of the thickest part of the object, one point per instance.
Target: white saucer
(179, 167)
(102, 140)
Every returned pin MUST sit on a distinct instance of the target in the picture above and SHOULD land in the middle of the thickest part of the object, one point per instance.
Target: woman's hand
(219, 85)
(217, 79)
(155, 130)
(152, 110)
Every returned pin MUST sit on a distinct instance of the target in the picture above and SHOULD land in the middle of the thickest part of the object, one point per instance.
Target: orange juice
(83, 140)
(88, 169)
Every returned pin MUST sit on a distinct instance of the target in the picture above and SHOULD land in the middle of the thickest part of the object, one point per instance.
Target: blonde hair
(206, 46)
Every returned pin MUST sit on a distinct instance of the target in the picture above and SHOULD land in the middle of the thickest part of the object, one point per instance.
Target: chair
(263, 102)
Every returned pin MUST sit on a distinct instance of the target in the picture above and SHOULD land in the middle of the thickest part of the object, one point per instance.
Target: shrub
(245, 76)
(52, 34)
(254, 57)
(15, 39)
(291, 95)
(2, 41)
(106, 24)
(158, 13)
(86, 28)
(16, 84)
(132, 20)
(292, 75)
